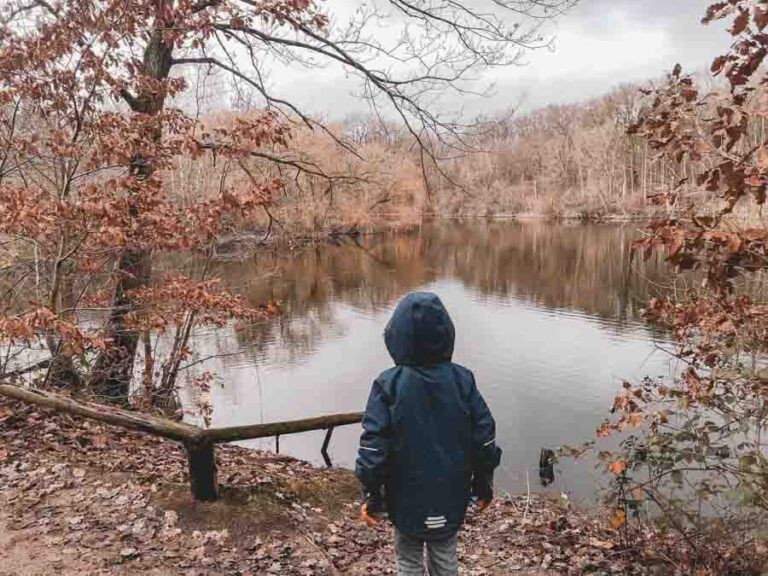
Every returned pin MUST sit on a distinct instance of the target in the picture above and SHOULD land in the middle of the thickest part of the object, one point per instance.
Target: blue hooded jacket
(428, 442)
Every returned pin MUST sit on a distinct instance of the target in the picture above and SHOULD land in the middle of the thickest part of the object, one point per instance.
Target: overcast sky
(599, 45)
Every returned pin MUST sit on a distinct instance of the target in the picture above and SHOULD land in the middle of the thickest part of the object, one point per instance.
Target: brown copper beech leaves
(90, 138)
(696, 434)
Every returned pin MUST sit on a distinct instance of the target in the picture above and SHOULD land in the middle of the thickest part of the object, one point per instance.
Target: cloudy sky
(603, 43)
(599, 45)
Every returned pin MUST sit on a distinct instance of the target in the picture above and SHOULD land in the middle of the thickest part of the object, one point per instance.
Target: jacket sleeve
(486, 455)
(373, 454)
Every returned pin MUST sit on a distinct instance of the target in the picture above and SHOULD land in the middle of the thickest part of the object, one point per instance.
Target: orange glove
(481, 505)
(370, 519)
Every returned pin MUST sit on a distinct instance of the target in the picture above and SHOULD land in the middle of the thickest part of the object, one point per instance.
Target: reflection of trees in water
(584, 268)
(297, 336)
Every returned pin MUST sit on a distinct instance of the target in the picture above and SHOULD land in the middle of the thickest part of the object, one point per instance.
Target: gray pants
(442, 559)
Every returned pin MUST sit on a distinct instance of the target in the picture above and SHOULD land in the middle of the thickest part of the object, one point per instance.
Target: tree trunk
(113, 370)
(61, 371)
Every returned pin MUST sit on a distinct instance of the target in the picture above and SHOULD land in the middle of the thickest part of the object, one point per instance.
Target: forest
(575, 161)
(173, 263)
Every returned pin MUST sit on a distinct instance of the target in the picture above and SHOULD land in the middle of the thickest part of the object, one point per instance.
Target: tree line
(574, 161)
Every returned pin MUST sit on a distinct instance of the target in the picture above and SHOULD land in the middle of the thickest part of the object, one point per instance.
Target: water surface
(545, 314)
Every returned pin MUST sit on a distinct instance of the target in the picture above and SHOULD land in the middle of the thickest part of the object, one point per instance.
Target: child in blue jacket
(428, 444)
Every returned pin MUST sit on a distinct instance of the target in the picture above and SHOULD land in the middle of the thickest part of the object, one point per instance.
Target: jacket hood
(420, 331)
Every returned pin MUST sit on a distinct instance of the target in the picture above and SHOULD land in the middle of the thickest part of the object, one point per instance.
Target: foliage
(563, 161)
(573, 160)
(377, 185)
(700, 460)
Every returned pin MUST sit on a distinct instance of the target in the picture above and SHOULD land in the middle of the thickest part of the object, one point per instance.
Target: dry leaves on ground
(79, 496)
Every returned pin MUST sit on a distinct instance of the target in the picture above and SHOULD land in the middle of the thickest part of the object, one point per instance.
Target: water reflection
(545, 316)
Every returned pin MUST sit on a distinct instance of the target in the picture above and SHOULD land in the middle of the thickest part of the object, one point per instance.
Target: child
(428, 443)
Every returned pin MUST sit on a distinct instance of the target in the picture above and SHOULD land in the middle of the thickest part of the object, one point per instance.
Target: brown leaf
(740, 23)
(618, 466)
(734, 244)
(717, 64)
(99, 441)
(690, 94)
(618, 519)
(676, 244)
(762, 159)
(761, 18)
(604, 544)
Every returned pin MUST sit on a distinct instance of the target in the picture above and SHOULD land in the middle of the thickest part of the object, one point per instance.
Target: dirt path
(22, 556)
(25, 552)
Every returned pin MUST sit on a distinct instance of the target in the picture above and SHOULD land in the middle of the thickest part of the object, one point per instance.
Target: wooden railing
(199, 442)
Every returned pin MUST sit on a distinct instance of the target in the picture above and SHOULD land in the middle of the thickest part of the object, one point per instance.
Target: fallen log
(199, 443)
(250, 432)
(133, 420)
(200, 452)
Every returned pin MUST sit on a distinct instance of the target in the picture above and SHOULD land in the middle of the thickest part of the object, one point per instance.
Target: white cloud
(599, 47)
(577, 51)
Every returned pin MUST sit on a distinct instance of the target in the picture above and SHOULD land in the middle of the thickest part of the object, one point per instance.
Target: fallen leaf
(170, 518)
(99, 441)
(618, 520)
(617, 466)
(604, 544)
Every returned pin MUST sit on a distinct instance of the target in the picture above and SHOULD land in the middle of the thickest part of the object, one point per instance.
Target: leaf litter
(83, 497)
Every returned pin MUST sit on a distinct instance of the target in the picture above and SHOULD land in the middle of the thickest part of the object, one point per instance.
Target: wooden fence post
(324, 449)
(203, 480)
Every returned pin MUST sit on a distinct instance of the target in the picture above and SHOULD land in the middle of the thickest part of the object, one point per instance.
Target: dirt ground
(78, 497)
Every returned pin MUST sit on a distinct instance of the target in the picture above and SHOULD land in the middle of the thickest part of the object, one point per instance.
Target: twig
(528, 497)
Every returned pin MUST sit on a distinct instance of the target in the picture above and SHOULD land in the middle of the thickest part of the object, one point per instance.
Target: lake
(545, 314)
